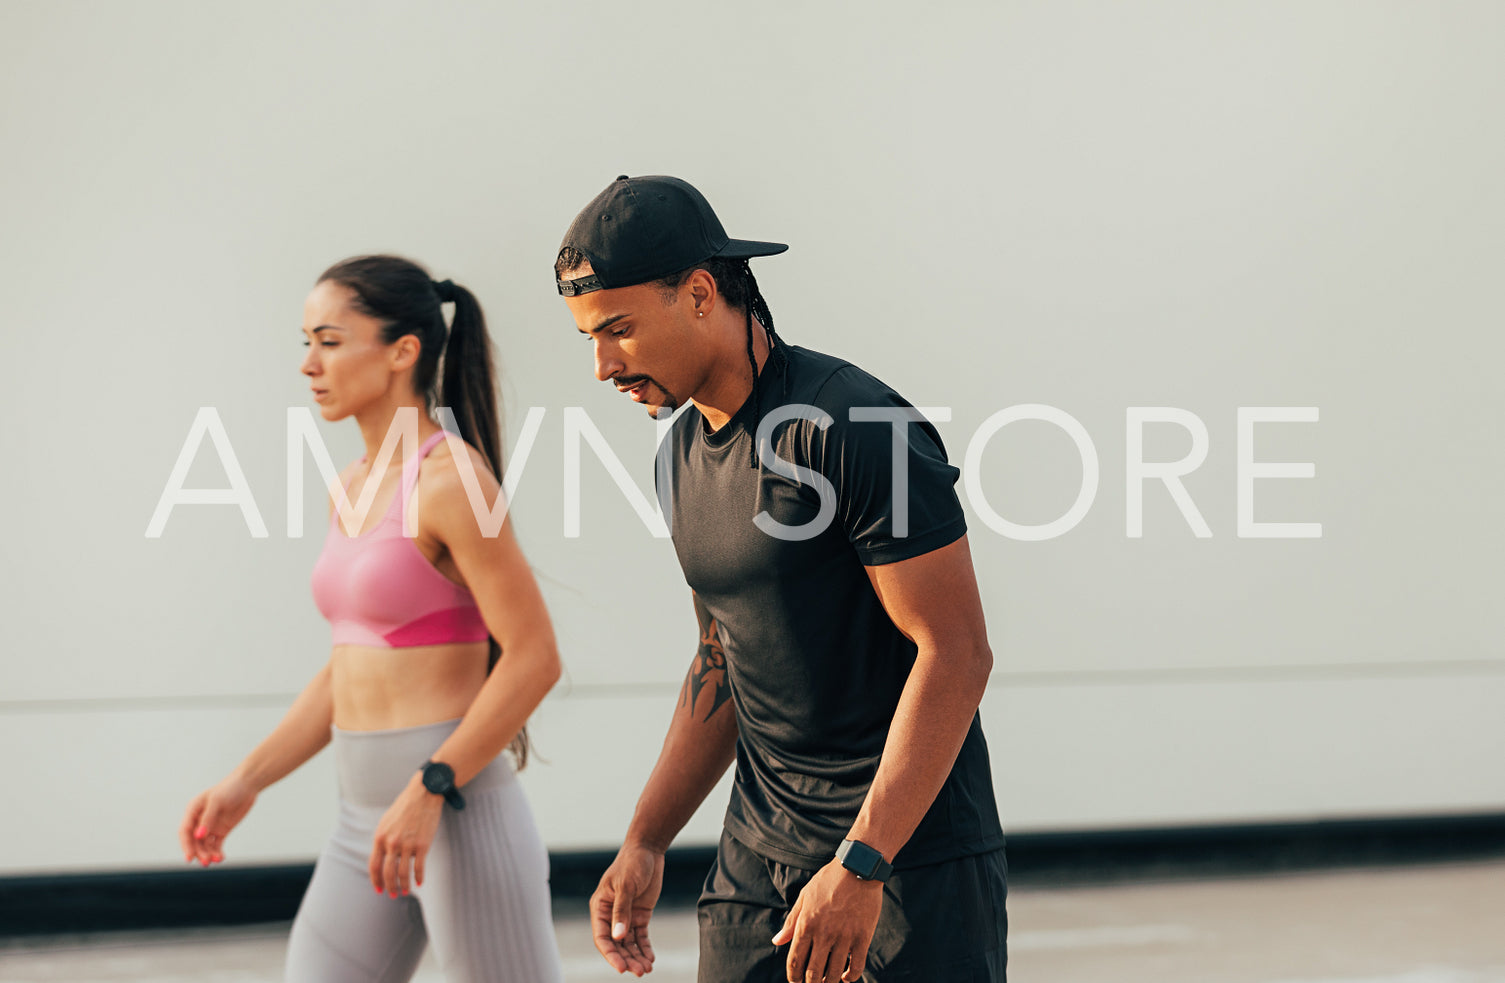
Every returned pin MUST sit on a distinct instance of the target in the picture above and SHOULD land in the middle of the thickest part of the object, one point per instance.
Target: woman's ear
(405, 352)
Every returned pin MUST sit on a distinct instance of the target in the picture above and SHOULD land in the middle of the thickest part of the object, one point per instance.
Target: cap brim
(747, 248)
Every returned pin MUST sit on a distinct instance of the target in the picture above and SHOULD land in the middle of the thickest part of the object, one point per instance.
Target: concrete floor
(1443, 924)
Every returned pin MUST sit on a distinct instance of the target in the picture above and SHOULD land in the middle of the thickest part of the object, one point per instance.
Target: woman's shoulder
(448, 478)
(441, 469)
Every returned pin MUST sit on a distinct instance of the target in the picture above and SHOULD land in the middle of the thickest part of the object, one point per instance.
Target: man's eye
(618, 332)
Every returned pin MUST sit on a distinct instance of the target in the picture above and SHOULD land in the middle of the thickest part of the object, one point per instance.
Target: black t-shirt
(815, 664)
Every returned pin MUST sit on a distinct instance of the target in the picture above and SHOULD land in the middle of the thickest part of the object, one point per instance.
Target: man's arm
(701, 743)
(933, 599)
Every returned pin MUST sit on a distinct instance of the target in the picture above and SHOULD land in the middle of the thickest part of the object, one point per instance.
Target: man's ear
(703, 294)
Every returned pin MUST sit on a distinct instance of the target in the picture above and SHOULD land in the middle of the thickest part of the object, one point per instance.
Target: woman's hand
(403, 838)
(211, 816)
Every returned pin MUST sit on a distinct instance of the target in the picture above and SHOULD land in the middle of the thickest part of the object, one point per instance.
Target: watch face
(858, 858)
(862, 860)
(437, 777)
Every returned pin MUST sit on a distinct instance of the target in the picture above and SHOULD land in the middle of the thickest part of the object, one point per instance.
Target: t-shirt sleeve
(896, 496)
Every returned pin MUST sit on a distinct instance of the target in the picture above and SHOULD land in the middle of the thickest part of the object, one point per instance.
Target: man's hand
(622, 905)
(831, 925)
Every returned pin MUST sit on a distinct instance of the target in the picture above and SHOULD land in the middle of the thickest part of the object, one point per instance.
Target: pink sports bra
(379, 589)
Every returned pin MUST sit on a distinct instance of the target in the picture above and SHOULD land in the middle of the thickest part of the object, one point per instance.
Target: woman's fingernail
(619, 930)
(198, 834)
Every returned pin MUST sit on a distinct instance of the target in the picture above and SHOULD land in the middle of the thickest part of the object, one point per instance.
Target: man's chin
(663, 406)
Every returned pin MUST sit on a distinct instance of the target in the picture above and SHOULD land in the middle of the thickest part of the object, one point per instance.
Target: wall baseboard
(70, 903)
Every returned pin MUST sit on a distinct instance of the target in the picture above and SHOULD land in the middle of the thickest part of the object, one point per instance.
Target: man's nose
(607, 363)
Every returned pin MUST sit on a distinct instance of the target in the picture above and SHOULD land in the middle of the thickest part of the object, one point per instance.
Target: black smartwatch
(862, 860)
(439, 778)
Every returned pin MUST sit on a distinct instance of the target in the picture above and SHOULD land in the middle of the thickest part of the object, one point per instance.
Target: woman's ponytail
(468, 389)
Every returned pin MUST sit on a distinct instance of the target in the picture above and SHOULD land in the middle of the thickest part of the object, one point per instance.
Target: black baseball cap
(644, 228)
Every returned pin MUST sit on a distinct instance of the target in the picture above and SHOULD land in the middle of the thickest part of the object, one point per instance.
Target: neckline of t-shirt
(737, 424)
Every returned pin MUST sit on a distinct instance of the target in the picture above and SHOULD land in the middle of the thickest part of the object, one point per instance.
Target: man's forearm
(701, 743)
(696, 754)
(935, 711)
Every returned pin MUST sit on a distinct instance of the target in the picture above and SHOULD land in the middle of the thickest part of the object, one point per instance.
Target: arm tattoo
(708, 671)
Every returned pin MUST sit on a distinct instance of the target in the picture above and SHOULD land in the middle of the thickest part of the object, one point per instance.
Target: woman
(415, 698)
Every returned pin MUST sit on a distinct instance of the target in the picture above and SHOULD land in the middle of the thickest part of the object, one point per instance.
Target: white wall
(1090, 206)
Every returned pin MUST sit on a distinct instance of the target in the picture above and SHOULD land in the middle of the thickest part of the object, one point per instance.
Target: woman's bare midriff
(383, 688)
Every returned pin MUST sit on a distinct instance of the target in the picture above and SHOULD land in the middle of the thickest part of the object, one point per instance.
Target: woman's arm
(303, 732)
(498, 576)
(213, 813)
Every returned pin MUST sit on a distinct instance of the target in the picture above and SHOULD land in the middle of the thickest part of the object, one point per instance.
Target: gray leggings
(485, 899)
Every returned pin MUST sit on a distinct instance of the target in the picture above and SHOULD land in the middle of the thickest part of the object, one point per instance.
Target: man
(842, 648)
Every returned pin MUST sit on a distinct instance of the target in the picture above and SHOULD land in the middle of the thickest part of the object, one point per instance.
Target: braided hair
(757, 307)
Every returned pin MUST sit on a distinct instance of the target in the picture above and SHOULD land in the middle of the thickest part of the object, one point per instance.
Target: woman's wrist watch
(868, 864)
(439, 778)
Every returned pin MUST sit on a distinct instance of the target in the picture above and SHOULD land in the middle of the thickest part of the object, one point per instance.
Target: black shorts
(942, 923)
